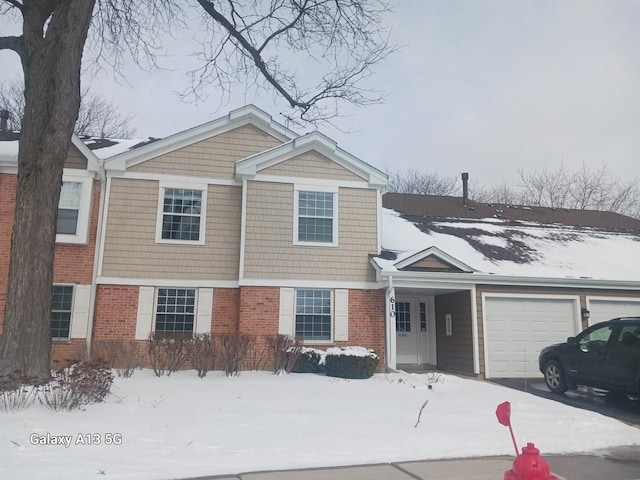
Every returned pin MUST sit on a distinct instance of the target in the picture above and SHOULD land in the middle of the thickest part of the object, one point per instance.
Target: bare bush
(80, 384)
(233, 351)
(284, 351)
(202, 352)
(257, 356)
(167, 353)
(121, 355)
(17, 393)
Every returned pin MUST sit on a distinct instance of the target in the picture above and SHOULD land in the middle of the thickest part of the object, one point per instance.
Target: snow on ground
(181, 426)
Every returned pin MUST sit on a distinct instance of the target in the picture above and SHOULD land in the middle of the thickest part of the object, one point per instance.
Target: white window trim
(331, 340)
(321, 189)
(84, 210)
(203, 212)
(154, 308)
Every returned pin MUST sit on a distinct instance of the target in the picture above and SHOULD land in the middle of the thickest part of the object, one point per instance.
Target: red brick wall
(64, 353)
(366, 320)
(259, 310)
(72, 264)
(116, 312)
(226, 310)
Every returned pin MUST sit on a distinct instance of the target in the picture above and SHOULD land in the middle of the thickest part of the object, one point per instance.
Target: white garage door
(518, 328)
(606, 309)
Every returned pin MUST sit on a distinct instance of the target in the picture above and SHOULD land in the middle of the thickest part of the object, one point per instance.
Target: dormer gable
(432, 259)
(302, 155)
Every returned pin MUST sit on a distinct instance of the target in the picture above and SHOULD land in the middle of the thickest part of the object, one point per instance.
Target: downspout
(390, 343)
(96, 254)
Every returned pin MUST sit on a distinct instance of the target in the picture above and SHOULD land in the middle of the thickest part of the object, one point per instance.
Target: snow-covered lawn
(180, 426)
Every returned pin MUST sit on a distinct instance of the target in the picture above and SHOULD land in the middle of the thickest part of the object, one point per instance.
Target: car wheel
(554, 377)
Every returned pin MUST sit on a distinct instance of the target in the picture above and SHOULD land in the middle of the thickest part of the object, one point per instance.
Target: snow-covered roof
(503, 247)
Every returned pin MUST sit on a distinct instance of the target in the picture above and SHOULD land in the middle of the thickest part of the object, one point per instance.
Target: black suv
(605, 355)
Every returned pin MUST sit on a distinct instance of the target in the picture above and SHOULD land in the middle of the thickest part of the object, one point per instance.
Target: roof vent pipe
(465, 189)
(4, 117)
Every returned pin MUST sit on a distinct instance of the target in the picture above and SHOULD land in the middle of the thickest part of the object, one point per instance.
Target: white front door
(412, 330)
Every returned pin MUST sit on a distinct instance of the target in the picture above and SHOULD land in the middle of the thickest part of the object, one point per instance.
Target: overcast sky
(484, 86)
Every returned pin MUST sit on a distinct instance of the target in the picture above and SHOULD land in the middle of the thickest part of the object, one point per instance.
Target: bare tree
(422, 183)
(96, 118)
(345, 37)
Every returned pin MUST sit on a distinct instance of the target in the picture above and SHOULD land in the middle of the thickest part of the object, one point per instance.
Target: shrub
(256, 356)
(310, 361)
(80, 384)
(350, 362)
(17, 393)
(202, 352)
(167, 352)
(119, 354)
(284, 352)
(233, 351)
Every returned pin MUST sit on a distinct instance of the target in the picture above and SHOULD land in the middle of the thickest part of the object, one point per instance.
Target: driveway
(625, 409)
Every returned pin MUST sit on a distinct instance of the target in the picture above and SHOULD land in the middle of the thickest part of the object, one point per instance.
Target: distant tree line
(583, 189)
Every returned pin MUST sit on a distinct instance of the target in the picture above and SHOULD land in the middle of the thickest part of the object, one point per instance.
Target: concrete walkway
(618, 464)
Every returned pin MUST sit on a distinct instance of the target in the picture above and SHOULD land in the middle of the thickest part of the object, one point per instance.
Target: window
(74, 208)
(313, 314)
(69, 208)
(175, 310)
(315, 217)
(403, 317)
(61, 305)
(181, 215)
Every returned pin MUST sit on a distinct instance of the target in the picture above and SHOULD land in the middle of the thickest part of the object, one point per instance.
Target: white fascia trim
(94, 164)
(489, 279)
(435, 251)
(236, 118)
(311, 141)
(316, 182)
(8, 163)
(379, 220)
(162, 177)
(162, 282)
(301, 283)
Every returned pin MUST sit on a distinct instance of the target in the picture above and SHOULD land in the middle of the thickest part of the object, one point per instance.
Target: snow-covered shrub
(310, 361)
(350, 362)
(202, 352)
(17, 393)
(80, 384)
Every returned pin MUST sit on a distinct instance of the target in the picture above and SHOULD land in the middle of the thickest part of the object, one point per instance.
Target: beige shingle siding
(75, 159)
(131, 252)
(214, 157)
(311, 165)
(271, 254)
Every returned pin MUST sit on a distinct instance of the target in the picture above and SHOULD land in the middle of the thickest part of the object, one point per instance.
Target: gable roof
(587, 248)
(9, 143)
(432, 252)
(318, 142)
(248, 115)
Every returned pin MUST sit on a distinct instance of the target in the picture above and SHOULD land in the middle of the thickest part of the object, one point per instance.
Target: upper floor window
(181, 216)
(61, 307)
(74, 209)
(315, 221)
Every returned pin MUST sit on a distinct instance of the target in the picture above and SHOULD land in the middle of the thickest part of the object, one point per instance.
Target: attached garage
(516, 328)
(602, 309)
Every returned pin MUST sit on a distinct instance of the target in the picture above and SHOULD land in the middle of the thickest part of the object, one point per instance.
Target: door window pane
(403, 317)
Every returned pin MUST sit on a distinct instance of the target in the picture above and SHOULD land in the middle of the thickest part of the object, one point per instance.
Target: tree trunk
(54, 35)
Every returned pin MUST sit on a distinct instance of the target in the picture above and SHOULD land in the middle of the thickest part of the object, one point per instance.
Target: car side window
(596, 338)
(630, 336)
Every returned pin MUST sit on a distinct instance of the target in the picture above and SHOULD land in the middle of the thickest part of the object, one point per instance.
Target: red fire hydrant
(528, 465)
